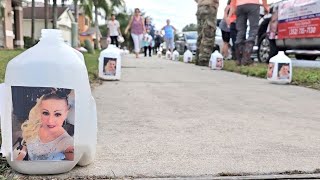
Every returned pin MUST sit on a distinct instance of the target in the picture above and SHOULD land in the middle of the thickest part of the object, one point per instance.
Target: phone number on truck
(302, 31)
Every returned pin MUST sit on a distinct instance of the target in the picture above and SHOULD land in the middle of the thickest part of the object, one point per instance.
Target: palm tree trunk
(2, 24)
(32, 20)
(206, 16)
(76, 17)
(55, 14)
(46, 14)
(96, 41)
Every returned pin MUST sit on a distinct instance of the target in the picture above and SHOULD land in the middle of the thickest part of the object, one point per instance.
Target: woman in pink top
(137, 26)
(246, 10)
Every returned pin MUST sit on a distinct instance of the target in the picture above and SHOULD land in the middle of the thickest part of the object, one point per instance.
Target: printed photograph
(42, 123)
(219, 63)
(270, 70)
(109, 66)
(284, 71)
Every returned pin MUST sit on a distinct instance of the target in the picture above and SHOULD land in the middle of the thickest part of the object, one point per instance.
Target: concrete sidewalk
(170, 119)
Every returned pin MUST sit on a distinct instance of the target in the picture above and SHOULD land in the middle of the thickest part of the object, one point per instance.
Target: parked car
(292, 26)
(188, 40)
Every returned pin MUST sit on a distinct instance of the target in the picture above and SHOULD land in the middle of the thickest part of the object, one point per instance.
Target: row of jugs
(279, 67)
(187, 56)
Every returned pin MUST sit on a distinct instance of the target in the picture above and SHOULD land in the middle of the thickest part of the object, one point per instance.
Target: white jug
(168, 55)
(187, 56)
(110, 63)
(159, 54)
(216, 61)
(45, 89)
(175, 55)
(280, 69)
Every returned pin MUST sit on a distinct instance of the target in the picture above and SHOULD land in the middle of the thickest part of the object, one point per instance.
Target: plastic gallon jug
(110, 63)
(159, 54)
(168, 55)
(187, 56)
(175, 55)
(280, 69)
(216, 61)
(45, 89)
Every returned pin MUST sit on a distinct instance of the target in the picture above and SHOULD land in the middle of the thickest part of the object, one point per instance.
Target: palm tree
(63, 3)
(75, 4)
(107, 8)
(2, 4)
(46, 13)
(55, 14)
(206, 16)
(32, 20)
(2, 32)
(98, 4)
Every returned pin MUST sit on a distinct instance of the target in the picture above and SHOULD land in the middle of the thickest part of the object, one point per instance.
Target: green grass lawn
(5, 57)
(307, 77)
(91, 63)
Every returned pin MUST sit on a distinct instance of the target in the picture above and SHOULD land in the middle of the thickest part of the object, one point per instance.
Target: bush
(88, 46)
(28, 42)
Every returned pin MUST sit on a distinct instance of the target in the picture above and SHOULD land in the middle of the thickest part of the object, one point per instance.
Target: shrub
(28, 42)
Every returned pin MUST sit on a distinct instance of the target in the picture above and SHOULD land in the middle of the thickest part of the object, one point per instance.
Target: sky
(180, 12)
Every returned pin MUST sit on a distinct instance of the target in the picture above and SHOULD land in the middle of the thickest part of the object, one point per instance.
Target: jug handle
(2, 87)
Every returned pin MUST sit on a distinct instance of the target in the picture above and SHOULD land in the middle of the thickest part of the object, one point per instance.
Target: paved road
(169, 119)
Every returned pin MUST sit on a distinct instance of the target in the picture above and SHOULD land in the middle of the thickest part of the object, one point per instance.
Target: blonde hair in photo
(30, 128)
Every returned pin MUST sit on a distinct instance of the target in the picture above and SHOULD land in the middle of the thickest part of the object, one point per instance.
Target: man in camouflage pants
(206, 16)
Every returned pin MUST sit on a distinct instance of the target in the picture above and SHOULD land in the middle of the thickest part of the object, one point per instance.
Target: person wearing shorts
(137, 26)
(169, 31)
(225, 37)
(225, 30)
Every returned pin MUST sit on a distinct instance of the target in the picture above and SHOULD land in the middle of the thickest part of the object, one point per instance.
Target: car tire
(306, 57)
(266, 48)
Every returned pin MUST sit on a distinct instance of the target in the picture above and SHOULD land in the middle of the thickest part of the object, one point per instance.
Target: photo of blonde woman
(284, 71)
(270, 70)
(110, 66)
(43, 135)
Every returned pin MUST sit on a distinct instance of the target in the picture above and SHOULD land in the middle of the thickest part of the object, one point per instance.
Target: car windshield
(191, 35)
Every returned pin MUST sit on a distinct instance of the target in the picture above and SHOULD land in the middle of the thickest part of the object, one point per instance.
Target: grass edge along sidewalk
(301, 76)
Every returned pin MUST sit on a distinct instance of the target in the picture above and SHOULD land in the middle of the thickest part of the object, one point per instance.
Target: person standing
(114, 30)
(137, 26)
(147, 43)
(157, 41)
(206, 20)
(246, 10)
(225, 30)
(150, 28)
(169, 31)
(231, 21)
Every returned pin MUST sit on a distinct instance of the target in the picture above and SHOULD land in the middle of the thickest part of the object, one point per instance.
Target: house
(64, 21)
(11, 24)
(85, 27)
